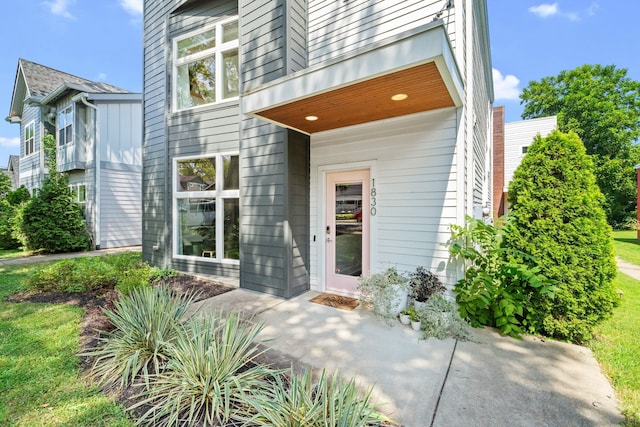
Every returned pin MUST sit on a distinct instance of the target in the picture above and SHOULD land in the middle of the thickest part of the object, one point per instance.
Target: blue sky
(102, 40)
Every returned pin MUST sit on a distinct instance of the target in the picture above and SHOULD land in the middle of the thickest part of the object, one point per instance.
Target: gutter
(82, 97)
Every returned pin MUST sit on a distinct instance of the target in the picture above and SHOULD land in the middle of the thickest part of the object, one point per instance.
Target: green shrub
(52, 222)
(499, 282)
(146, 322)
(18, 196)
(7, 212)
(557, 217)
(209, 371)
(301, 401)
(124, 272)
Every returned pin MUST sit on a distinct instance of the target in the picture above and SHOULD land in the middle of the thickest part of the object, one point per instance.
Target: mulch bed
(94, 319)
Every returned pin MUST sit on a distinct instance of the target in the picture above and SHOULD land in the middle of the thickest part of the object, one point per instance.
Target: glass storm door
(347, 230)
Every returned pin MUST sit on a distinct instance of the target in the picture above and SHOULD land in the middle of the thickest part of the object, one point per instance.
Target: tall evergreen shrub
(557, 217)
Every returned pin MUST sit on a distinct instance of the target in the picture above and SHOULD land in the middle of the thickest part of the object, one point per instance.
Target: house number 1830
(373, 197)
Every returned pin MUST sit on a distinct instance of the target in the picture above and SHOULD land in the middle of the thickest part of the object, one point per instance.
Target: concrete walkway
(490, 381)
(628, 268)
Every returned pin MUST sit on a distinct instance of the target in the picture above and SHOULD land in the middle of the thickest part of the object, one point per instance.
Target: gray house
(297, 144)
(13, 170)
(98, 145)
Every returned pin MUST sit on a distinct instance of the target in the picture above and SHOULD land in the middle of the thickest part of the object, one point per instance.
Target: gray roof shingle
(42, 80)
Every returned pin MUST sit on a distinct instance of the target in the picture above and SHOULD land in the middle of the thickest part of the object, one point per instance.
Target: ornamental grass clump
(301, 401)
(211, 368)
(146, 322)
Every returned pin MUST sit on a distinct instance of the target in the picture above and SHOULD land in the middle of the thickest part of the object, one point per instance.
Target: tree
(556, 217)
(52, 221)
(5, 185)
(602, 106)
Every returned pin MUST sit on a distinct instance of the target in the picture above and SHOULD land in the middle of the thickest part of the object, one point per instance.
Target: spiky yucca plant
(146, 321)
(301, 402)
(210, 369)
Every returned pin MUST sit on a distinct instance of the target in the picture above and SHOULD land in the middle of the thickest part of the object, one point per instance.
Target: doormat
(337, 301)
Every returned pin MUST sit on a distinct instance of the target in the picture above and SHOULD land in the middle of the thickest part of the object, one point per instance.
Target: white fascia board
(429, 44)
(114, 97)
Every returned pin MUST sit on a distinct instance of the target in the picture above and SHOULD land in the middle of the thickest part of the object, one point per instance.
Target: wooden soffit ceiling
(358, 87)
(366, 101)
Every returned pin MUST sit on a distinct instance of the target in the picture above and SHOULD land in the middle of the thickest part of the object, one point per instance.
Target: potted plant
(423, 285)
(414, 318)
(387, 292)
(405, 315)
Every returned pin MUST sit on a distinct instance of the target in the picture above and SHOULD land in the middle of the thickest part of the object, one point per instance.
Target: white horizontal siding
(413, 163)
(518, 135)
(337, 27)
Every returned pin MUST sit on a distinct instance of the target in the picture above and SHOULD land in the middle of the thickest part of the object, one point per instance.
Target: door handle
(329, 239)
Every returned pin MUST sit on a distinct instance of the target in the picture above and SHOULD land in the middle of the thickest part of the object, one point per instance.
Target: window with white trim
(205, 66)
(30, 138)
(206, 220)
(64, 124)
(79, 195)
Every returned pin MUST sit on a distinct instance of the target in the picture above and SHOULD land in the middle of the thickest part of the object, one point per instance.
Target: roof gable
(36, 81)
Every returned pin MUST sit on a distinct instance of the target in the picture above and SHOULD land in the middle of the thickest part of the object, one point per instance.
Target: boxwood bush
(556, 216)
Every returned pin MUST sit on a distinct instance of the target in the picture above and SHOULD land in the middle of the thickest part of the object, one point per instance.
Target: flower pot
(404, 319)
(418, 305)
(397, 301)
(416, 325)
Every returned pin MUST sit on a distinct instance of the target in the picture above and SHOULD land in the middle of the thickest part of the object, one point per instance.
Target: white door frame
(321, 217)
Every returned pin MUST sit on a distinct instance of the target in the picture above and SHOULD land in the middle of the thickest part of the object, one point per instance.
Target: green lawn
(627, 246)
(12, 253)
(616, 345)
(40, 381)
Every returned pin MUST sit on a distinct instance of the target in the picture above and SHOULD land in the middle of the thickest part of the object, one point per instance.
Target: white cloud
(102, 77)
(134, 7)
(60, 7)
(9, 142)
(505, 87)
(544, 10)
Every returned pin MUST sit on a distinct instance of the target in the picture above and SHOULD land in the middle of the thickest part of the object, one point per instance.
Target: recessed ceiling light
(399, 97)
(312, 118)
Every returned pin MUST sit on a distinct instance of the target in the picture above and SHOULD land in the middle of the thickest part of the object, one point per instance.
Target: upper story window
(205, 69)
(30, 138)
(65, 126)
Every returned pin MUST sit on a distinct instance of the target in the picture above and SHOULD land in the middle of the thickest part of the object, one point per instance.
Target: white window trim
(219, 50)
(71, 106)
(218, 194)
(76, 187)
(31, 123)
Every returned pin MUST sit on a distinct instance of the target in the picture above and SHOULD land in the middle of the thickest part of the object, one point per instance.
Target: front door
(347, 229)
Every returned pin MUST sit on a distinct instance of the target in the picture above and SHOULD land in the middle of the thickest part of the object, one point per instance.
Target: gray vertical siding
(274, 194)
(203, 131)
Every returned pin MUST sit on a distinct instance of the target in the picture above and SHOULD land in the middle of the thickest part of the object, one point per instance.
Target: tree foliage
(52, 221)
(602, 106)
(5, 185)
(557, 217)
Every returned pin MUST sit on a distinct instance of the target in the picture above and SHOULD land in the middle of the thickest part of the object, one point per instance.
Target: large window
(206, 66)
(65, 126)
(29, 138)
(207, 208)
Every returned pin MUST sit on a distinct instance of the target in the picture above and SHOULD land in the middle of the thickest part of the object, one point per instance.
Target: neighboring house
(294, 145)
(511, 141)
(98, 144)
(13, 171)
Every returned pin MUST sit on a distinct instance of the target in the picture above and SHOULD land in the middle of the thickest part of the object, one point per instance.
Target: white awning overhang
(358, 88)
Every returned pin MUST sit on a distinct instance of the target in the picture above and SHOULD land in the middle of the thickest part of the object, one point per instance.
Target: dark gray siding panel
(154, 184)
(299, 226)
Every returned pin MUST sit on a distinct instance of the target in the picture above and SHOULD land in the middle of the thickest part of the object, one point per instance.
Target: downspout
(82, 97)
